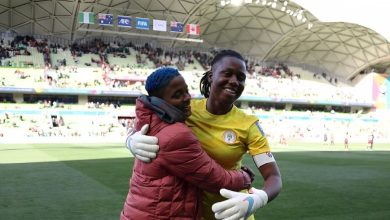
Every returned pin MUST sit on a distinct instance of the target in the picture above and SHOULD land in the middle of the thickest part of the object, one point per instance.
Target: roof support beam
(75, 17)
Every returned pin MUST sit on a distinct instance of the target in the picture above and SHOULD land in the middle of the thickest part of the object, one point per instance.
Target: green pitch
(90, 181)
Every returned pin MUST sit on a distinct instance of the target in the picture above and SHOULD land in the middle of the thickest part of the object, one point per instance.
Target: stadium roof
(262, 30)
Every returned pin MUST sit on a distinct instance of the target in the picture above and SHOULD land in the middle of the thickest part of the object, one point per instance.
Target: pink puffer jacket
(169, 187)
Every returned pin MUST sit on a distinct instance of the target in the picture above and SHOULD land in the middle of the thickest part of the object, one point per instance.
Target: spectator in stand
(331, 138)
(346, 141)
(370, 142)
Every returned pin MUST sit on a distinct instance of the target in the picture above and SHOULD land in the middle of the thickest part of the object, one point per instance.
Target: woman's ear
(210, 76)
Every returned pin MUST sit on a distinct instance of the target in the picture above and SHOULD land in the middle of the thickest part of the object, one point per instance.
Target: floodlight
(284, 7)
(274, 4)
(236, 2)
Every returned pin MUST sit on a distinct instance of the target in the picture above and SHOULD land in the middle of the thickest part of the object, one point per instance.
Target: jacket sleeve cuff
(247, 181)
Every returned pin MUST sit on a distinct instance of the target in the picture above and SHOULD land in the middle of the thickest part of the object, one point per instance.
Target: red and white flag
(193, 29)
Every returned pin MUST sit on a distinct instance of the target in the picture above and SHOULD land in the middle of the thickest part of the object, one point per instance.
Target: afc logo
(124, 21)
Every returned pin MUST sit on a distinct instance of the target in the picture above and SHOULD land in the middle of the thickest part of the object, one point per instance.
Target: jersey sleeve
(257, 142)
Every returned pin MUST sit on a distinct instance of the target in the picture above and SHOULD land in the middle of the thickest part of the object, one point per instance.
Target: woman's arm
(184, 157)
(242, 205)
(272, 179)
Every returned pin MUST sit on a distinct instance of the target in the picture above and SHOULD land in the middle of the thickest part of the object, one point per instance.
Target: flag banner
(106, 19)
(159, 25)
(86, 18)
(124, 21)
(193, 29)
(142, 23)
(177, 26)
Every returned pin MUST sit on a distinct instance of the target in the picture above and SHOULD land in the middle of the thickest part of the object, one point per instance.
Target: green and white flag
(86, 17)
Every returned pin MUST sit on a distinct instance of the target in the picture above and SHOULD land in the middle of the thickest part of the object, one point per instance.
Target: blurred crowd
(100, 120)
(115, 66)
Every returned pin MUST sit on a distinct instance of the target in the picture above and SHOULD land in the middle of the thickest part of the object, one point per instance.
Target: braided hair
(204, 84)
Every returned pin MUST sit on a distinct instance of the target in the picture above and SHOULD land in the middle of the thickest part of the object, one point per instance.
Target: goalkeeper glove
(239, 205)
(143, 147)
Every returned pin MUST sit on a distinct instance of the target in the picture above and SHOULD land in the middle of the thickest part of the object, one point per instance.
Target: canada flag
(193, 29)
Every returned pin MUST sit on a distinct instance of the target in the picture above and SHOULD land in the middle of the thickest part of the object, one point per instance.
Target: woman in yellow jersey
(226, 134)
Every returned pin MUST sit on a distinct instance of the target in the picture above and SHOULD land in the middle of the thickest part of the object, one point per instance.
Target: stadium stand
(56, 119)
(305, 74)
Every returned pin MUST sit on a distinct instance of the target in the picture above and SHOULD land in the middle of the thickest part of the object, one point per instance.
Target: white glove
(143, 147)
(239, 205)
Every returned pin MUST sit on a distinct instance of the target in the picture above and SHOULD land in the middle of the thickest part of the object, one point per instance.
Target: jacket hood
(151, 110)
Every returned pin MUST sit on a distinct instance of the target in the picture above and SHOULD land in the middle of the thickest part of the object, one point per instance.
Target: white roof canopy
(262, 32)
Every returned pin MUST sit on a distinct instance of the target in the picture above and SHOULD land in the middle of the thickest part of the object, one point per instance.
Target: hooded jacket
(170, 186)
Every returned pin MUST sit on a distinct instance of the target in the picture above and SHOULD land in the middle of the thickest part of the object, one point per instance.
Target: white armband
(261, 159)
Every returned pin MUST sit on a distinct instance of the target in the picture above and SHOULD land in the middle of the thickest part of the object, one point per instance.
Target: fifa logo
(142, 23)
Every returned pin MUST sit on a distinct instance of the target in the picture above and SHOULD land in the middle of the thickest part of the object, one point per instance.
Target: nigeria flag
(86, 18)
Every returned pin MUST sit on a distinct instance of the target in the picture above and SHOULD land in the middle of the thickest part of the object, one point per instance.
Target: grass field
(90, 181)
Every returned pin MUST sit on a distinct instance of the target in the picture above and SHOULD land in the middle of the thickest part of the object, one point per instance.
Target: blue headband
(160, 78)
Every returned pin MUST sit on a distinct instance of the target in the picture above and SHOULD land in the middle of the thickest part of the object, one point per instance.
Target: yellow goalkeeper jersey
(225, 138)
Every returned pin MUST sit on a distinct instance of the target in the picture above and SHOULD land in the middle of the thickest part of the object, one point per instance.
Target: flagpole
(141, 35)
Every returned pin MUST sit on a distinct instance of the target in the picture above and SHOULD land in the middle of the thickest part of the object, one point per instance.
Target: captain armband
(264, 158)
